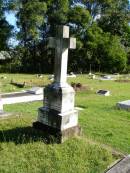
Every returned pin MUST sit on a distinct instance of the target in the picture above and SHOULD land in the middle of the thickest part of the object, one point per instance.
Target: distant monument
(58, 116)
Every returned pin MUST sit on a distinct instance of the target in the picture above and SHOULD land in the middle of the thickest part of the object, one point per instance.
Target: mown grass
(22, 149)
(30, 80)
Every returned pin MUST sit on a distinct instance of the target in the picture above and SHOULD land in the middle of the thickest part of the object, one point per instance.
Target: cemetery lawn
(106, 132)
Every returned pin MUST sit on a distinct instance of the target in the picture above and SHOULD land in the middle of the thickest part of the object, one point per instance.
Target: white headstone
(106, 77)
(71, 75)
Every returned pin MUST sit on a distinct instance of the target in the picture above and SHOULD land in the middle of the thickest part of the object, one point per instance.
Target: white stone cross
(61, 43)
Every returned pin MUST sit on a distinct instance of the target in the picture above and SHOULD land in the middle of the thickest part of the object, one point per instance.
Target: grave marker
(58, 114)
(103, 92)
(124, 105)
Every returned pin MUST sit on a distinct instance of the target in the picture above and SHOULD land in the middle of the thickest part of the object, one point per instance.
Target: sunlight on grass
(22, 149)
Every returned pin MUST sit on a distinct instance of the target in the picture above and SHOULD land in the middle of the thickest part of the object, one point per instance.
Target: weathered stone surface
(58, 111)
(56, 119)
(59, 136)
(59, 98)
(61, 44)
(124, 105)
(123, 166)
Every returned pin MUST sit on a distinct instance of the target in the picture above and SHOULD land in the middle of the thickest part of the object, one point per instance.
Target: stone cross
(61, 43)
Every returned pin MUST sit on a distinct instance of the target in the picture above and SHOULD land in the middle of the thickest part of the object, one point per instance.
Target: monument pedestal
(58, 116)
(59, 136)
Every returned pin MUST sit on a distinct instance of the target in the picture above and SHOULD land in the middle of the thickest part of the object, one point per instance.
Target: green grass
(105, 128)
(30, 80)
(23, 149)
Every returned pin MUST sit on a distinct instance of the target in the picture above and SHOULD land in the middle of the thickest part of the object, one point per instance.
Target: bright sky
(10, 17)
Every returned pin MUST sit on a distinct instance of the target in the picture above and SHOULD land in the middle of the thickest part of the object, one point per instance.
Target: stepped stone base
(60, 136)
(56, 119)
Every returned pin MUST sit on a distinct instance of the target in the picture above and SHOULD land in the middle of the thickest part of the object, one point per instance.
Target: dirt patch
(80, 87)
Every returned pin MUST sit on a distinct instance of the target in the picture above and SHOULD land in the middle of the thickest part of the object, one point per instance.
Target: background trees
(100, 26)
(5, 29)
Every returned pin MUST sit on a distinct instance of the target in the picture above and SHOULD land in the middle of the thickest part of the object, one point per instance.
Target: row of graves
(59, 116)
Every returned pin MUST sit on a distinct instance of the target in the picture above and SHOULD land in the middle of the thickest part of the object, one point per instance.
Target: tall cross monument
(58, 114)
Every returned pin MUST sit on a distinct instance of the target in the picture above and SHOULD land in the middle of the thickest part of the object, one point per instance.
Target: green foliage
(5, 29)
(30, 18)
(58, 12)
(100, 27)
(80, 17)
(106, 50)
(115, 18)
(116, 56)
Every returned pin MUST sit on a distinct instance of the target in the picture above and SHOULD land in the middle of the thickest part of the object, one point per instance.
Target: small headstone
(106, 77)
(103, 92)
(123, 166)
(39, 76)
(124, 105)
(71, 75)
(35, 90)
(51, 77)
(92, 76)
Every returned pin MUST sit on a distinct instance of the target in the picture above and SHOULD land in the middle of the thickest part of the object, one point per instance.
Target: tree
(100, 27)
(106, 50)
(30, 17)
(114, 18)
(5, 29)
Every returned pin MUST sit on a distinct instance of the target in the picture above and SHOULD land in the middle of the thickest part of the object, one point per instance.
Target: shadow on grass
(81, 106)
(23, 135)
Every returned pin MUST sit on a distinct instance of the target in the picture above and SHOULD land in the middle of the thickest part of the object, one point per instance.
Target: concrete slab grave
(123, 166)
(124, 105)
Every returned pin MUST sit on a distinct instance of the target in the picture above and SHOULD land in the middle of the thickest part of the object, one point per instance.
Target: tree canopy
(5, 29)
(101, 27)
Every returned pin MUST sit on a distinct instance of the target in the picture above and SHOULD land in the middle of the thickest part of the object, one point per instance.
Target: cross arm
(51, 42)
(69, 43)
(72, 43)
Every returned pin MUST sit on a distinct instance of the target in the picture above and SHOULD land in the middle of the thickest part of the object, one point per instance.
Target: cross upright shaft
(61, 43)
